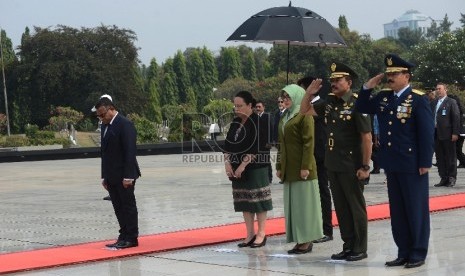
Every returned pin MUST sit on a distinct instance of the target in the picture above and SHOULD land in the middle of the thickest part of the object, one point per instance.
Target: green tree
(229, 64)
(154, 108)
(410, 38)
(182, 77)
(249, 70)
(441, 60)
(261, 62)
(433, 31)
(445, 24)
(7, 50)
(168, 86)
(462, 20)
(230, 87)
(196, 69)
(62, 116)
(343, 25)
(73, 67)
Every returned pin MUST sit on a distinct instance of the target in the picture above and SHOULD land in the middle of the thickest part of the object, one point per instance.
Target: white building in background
(412, 19)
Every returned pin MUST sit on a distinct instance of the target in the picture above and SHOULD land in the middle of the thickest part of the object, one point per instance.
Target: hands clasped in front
(233, 173)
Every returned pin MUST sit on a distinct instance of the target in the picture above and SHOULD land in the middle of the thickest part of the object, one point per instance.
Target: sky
(163, 27)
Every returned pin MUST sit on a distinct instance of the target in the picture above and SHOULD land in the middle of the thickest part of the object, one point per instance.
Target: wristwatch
(365, 167)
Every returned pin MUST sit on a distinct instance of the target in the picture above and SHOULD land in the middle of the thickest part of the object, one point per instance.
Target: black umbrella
(288, 25)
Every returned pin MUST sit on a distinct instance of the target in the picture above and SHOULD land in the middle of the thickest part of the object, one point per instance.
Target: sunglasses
(103, 114)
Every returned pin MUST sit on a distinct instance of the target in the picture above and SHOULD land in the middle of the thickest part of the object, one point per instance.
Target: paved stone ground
(51, 203)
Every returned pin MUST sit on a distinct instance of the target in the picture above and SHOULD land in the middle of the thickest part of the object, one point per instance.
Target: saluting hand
(314, 87)
(373, 82)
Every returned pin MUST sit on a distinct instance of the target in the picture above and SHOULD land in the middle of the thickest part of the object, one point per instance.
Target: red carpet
(96, 251)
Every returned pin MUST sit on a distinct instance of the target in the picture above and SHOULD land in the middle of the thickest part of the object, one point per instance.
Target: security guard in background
(406, 149)
(347, 156)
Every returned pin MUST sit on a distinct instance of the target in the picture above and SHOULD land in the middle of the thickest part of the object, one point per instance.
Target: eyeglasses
(103, 114)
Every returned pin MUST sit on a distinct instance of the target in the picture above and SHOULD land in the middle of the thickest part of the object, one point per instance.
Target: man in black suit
(266, 119)
(447, 130)
(319, 153)
(119, 170)
(461, 139)
(277, 117)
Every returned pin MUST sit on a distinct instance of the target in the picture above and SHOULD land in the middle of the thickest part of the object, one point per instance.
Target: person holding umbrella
(347, 156)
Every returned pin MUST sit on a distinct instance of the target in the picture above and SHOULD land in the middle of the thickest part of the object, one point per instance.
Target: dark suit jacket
(447, 118)
(320, 136)
(265, 121)
(276, 119)
(118, 151)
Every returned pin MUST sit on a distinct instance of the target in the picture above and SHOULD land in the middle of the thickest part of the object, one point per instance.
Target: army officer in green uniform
(347, 157)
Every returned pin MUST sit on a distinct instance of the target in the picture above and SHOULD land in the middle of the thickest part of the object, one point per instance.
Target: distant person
(119, 170)
(265, 118)
(277, 116)
(446, 133)
(296, 167)
(247, 170)
(406, 127)
(460, 140)
(375, 147)
(319, 153)
(100, 127)
(431, 95)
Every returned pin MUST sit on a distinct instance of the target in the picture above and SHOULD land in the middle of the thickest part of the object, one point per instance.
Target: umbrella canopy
(288, 25)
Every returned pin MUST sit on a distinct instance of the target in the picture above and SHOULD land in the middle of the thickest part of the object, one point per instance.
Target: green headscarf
(296, 93)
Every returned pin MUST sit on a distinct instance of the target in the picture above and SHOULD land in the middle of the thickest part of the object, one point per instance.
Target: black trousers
(124, 205)
(459, 152)
(325, 198)
(446, 158)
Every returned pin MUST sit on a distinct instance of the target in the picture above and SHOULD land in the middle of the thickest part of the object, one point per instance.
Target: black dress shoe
(412, 264)
(352, 257)
(443, 182)
(301, 251)
(107, 198)
(324, 239)
(126, 244)
(341, 255)
(396, 262)
(112, 244)
(246, 244)
(451, 182)
(257, 245)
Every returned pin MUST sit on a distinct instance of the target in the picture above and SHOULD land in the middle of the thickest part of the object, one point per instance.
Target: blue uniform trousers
(410, 219)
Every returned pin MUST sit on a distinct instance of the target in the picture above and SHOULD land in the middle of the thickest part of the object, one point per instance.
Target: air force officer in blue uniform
(406, 150)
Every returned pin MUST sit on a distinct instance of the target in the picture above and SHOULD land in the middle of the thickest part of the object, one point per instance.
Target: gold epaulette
(331, 94)
(355, 95)
(418, 92)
